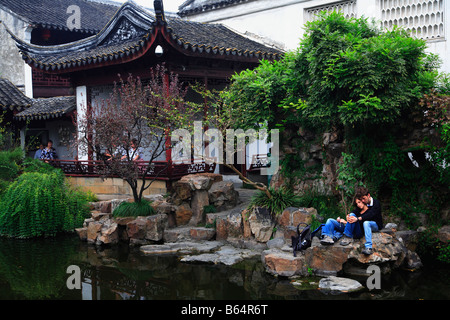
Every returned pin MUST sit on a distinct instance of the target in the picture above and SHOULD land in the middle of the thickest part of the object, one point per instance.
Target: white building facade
(281, 22)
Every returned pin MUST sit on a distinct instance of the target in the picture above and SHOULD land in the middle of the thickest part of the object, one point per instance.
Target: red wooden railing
(161, 170)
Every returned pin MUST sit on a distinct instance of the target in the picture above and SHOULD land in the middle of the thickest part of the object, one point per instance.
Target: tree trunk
(257, 185)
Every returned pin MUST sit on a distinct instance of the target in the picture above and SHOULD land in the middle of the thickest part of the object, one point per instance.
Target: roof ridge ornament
(158, 5)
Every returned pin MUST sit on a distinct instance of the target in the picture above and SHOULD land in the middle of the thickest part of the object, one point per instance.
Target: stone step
(188, 233)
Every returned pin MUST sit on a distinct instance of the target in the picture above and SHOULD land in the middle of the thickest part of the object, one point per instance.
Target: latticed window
(423, 19)
(348, 8)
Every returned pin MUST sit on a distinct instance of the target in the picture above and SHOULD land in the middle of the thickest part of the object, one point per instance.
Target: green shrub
(134, 209)
(36, 165)
(41, 204)
(209, 209)
(281, 199)
(10, 164)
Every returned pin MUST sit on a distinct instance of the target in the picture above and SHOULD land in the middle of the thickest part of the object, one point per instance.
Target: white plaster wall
(12, 66)
(281, 22)
(441, 47)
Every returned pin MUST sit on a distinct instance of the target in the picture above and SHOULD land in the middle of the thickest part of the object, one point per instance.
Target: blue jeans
(335, 230)
(369, 226)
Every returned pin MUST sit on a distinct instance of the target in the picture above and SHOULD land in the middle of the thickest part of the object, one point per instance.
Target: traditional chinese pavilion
(137, 39)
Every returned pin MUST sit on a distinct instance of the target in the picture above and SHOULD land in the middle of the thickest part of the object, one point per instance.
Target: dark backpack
(304, 238)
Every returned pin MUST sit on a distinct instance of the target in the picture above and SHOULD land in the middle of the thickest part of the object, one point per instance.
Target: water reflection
(37, 270)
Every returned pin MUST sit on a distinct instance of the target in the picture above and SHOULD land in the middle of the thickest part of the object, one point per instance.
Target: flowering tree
(130, 130)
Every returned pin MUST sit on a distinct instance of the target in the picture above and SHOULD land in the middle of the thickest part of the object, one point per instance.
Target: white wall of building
(12, 66)
(281, 22)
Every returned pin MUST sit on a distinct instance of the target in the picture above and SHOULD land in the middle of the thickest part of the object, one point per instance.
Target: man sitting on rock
(368, 215)
(372, 220)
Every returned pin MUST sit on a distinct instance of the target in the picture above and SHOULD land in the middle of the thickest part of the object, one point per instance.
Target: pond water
(37, 269)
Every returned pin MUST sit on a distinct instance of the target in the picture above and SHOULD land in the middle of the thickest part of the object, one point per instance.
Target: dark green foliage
(36, 165)
(134, 209)
(281, 199)
(429, 246)
(209, 209)
(327, 206)
(41, 204)
(10, 162)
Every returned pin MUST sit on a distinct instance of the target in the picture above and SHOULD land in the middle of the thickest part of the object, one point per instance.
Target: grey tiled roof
(52, 14)
(191, 7)
(47, 108)
(11, 98)
(131, 32)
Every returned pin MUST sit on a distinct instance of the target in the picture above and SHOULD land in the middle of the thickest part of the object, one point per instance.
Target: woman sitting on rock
(334, 229)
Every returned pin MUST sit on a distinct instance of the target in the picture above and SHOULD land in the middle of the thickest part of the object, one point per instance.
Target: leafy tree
(145, 113)
(372, 87)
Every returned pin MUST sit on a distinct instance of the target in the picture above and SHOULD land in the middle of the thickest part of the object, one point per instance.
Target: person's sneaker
(326, 240)
(346, 241)
(367, 251)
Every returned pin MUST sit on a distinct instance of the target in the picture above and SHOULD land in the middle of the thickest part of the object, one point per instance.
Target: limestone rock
(293, 216)
(275, 243)
(202, 233)
(234, 224)
(105, 206)
(386, 249)
(155, 226)
(115, 203)
(147, 228)
(221, 228)
(412, 261)
(199, 200)
(247, 231)
(109, 233)
(162, 207)
(182, 190)
(326, 260)
(223, 196)
(226, 255)
(136, 229)
(87, 221)
(93, 231)
(177, 234)
(99, 215)
(261, 224)
(408, 238)
(82, 233)
(337, 285)
(123, 221)
(444, 234)
(197, 181)
(187, 247)
(183, 214)
(329, 260)
(281, 263)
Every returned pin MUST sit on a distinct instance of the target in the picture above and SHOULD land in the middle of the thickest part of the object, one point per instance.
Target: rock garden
(183, 226)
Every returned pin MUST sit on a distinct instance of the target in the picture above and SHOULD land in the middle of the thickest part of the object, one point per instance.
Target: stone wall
(315, 157)
(114, 186)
